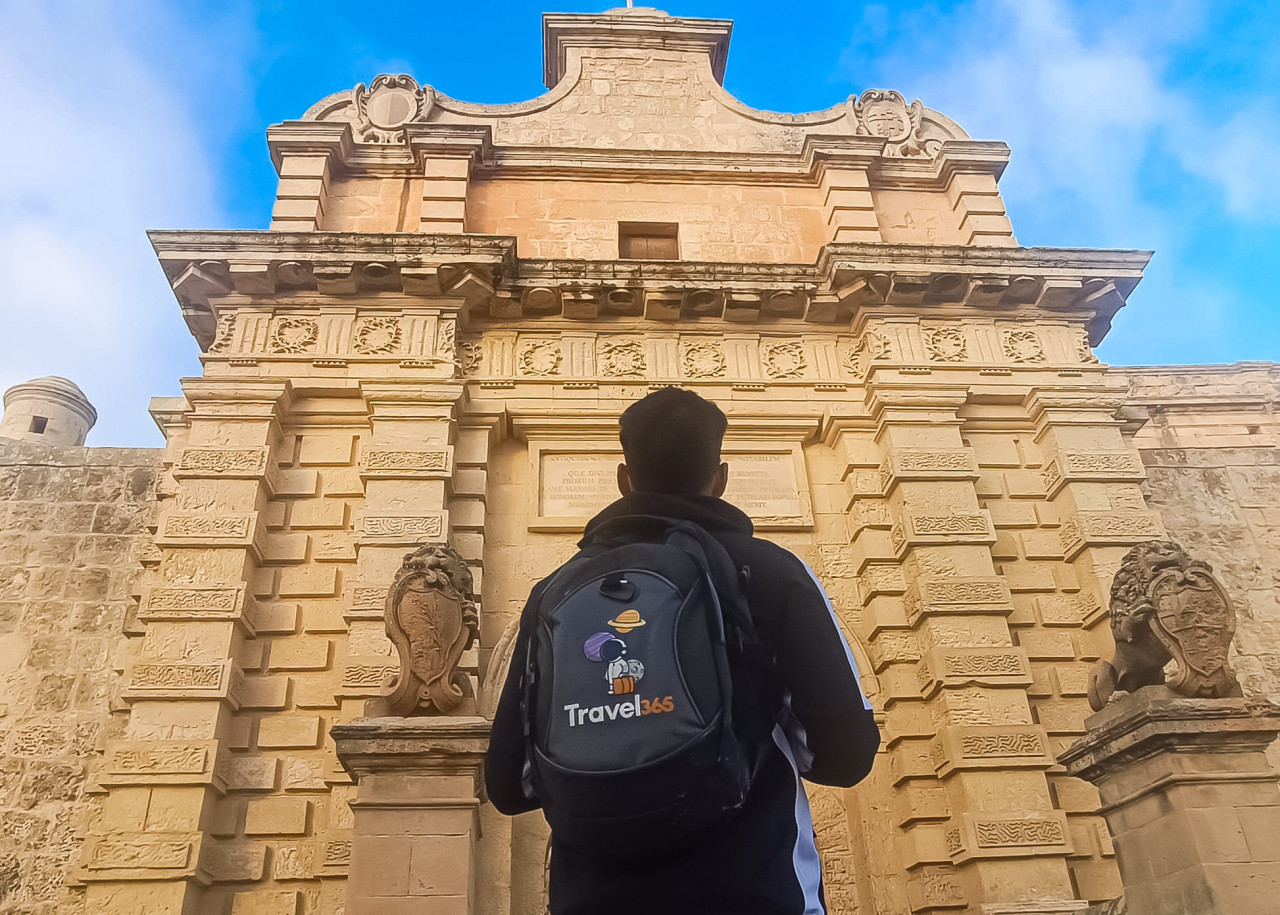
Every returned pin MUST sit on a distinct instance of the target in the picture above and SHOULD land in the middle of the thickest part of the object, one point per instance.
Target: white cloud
(101, 144)
(1116, 140)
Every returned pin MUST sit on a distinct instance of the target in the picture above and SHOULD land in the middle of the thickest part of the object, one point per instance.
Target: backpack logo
(621, 672)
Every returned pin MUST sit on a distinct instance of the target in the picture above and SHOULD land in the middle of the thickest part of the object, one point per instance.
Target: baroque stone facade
(431, 346)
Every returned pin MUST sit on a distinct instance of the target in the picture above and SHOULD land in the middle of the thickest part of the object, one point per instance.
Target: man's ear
(624, 480)
(721, 481)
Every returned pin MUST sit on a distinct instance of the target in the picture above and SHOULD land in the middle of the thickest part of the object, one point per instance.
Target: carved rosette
(432, 619)
(1166, 605)
(703, 360)
(541, 358)
(390, 102)
(377, 336)
(785, 360)
(1022, 346)
(294, 335)
(945, 344)
(622, 359)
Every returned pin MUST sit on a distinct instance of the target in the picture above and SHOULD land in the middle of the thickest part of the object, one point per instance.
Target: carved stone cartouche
(432, 619)
(1166, 605)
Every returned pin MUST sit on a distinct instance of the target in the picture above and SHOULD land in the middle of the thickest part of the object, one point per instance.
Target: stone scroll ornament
(431, 619)
(1166, 605)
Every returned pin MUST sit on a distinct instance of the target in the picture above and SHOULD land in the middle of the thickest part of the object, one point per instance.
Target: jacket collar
(716, 515)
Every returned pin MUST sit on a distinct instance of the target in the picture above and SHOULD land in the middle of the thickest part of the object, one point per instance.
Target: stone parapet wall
(73, 525)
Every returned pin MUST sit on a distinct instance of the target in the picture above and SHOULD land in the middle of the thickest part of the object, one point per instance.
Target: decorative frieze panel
(935, 887)
(125, 856)
(949, 596)
(193, 602)
(402, 530)
(221, 463)
(383, 464)
(960, 747)
(179, 681)
(366, 677)
(198, 529)
(957, 667)
(981, 835)
(159, 762)
(1118, 528)
(1091, 466)
(958, 527)
(893, 646)
(902, 465)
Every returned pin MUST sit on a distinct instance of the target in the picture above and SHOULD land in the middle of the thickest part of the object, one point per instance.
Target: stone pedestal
(416, 813)
(1190, 800)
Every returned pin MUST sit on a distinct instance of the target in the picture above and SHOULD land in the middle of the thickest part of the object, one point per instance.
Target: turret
(51, 410)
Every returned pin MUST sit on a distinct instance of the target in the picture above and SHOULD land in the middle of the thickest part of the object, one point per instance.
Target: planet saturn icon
(626, 621)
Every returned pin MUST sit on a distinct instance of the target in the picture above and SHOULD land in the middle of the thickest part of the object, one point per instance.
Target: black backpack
(646, 692)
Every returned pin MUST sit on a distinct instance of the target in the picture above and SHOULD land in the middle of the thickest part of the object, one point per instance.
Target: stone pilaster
(416, 813)
(152, 849)
(968, 760)
(1190, 799)
(848, 203)
(979, 211)
(444, 194)
(302, 192)
(406, 465)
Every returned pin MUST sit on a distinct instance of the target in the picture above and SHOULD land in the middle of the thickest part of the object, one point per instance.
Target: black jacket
(764, 860)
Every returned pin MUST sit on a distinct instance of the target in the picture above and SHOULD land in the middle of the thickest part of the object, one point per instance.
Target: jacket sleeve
(504, 761)
(818, 671)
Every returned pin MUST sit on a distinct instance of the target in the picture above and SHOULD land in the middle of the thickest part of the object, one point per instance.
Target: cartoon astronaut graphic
(621, 672)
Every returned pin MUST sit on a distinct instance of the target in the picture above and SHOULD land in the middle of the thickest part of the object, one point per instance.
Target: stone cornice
(336, 141)
(849, 283)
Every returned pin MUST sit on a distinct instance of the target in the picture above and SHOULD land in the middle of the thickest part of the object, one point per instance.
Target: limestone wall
(1211, 447)
(74, 524)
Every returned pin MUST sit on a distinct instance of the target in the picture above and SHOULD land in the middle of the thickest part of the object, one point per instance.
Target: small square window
(38, 424)
(648, 241)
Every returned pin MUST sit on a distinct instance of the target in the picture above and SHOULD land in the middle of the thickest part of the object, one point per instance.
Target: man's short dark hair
(671, 440)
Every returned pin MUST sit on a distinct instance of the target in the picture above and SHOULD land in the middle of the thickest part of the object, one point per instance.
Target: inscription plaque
(573, 487)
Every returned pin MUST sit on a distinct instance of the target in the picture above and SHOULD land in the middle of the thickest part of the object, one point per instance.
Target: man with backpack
(668, 688)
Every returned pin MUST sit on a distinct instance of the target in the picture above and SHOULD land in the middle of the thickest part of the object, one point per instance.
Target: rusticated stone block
(286, 731)
(267, 902)
(278, 816)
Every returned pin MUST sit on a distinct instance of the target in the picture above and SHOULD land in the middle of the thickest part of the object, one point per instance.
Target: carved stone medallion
(431, 619)
(1022, 346)
(703, 360)
(294, 335)
(945, 344)
(387, 105)
(376, 336)
(622, 359)
(785, 360)
(541, 358)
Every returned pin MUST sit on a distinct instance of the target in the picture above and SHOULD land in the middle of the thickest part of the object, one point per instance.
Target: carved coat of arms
(1166, 605)
(431, 619)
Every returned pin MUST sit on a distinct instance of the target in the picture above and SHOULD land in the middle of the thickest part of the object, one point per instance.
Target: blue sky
(1133, 124)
